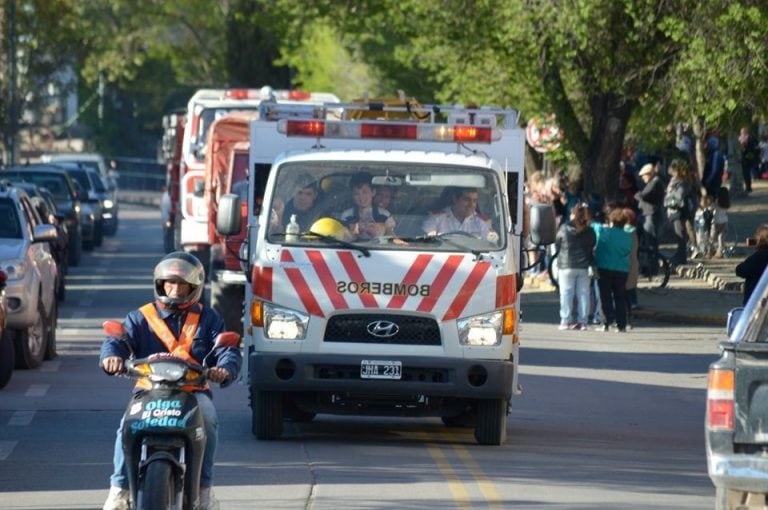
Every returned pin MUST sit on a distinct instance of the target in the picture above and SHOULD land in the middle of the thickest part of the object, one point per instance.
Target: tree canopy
(607, 69)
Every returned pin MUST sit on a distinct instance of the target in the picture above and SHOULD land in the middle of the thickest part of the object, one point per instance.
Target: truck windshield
(207, 117)
(400, 206)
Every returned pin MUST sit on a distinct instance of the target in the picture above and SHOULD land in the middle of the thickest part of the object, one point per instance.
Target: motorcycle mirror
(227, 339)
(113, 328)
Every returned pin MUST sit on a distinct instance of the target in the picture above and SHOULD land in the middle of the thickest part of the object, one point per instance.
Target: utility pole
(9, 135)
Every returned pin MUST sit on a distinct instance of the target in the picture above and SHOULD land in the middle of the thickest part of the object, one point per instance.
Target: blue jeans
(120, 477)
(574, 283)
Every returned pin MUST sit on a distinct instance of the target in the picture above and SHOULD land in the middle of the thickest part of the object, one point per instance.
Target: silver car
(27, 259)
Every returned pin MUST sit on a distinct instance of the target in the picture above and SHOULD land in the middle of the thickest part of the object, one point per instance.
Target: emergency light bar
(389, 131)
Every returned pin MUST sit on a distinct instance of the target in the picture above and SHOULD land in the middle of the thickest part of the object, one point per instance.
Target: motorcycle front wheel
(158, 490)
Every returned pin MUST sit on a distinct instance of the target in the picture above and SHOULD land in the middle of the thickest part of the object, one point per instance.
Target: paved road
(606, 420)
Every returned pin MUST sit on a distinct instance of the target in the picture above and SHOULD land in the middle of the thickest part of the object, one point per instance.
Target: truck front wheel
(267, 414)
(491, 426)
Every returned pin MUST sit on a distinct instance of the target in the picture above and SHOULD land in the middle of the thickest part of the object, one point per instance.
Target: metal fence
(141, 174)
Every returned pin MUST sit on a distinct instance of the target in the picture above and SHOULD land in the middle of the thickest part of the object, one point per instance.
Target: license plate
(380, 369)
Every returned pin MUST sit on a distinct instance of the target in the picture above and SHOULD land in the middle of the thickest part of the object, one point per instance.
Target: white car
(27, 259)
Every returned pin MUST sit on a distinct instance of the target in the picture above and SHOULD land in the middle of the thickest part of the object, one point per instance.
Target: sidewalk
(704, 290)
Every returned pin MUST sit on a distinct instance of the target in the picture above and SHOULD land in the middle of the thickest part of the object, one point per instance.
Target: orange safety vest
(178, 347)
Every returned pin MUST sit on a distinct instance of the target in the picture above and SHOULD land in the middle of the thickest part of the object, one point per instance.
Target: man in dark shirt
(650, 200)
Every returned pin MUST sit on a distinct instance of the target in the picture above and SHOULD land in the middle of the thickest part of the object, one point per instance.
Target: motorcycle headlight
(481, 330)
(15, 268)
(284, 323)
(166, 371)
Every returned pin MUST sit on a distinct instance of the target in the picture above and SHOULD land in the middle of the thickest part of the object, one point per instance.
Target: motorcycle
(163, 430)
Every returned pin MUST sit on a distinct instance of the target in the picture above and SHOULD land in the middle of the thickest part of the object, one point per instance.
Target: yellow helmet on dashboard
(329, 227)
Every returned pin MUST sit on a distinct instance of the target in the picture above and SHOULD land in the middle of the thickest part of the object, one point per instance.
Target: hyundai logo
(382, 329)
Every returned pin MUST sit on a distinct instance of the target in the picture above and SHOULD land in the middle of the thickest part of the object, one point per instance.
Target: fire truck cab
(384, 268)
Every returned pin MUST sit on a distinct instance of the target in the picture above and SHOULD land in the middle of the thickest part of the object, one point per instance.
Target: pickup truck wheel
(228, 301)
(30, 342)
(491, 426)
(267, 414)
(6, 358)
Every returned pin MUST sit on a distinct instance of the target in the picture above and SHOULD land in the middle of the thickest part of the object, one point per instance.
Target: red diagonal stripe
(353, 270)
(441, 280)
(324, 273)
(261, 278)
(506, 290)
(467, 290)
(300, 285)
(410, 278)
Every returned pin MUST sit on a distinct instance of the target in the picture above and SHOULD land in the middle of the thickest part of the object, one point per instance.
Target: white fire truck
(204, 107)
(399, 293)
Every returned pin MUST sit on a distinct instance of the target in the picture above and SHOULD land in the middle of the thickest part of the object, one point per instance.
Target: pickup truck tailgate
(751, 393)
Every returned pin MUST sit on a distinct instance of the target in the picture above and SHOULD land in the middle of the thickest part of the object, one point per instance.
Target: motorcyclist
(179, 279)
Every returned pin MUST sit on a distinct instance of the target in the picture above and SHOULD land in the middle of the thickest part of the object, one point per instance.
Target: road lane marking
(677, 380)
(6, 447)
(21, 418)
(455, 485)
(487, 488)
(37, 390)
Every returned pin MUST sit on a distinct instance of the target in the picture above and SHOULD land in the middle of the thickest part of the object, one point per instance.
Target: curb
(718, 280)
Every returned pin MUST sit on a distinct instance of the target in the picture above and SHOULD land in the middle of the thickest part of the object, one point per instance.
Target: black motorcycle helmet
(179, 266)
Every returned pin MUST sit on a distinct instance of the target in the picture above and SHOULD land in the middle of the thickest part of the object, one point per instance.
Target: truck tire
(158, 489)
(30, 342)
(267, 414)
(491, 426)
(6, 359)
(227, 299)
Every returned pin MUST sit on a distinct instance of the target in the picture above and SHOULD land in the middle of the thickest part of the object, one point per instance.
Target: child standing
(720, 220)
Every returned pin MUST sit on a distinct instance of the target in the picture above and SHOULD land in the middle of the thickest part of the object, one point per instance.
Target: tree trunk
(699, 132)
(610, 115)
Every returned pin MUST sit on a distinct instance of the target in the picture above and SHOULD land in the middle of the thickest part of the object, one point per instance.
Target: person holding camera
(752, 268)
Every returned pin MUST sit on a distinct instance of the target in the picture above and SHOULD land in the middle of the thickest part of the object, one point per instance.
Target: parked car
(102, 202)
(737, 408)
(6, 343)
(77, 216)
(93, 161)
(43, 202)
(27, 260)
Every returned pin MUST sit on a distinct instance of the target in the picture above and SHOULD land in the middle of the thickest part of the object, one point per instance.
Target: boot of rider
(118, 499)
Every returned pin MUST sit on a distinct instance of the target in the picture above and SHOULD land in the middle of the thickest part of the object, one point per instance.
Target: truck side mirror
(543, 223)
(228, 219)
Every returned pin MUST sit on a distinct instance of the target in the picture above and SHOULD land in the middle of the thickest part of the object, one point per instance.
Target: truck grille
(357, 328)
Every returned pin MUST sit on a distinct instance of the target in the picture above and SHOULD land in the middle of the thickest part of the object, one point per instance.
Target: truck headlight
(14, 268)
(485, 329)
(284, 323)
(107, 204)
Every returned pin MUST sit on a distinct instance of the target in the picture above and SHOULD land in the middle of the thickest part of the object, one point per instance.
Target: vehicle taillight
(299, 95)
(720, 406)
(241, 94)
(389, 130)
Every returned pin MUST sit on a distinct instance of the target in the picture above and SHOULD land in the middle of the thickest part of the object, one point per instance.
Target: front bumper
(738, 471)
(429, 376)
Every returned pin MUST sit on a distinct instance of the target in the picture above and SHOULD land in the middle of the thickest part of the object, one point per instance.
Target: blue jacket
(613, 248)
(144, 342)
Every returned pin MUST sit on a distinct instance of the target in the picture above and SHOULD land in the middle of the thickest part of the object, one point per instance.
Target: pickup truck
(737, 408)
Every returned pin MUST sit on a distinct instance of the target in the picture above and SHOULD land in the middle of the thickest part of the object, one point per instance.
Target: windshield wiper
(335, 240)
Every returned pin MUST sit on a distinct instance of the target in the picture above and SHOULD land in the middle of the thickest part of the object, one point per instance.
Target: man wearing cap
(302, 204)
(650, 200)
